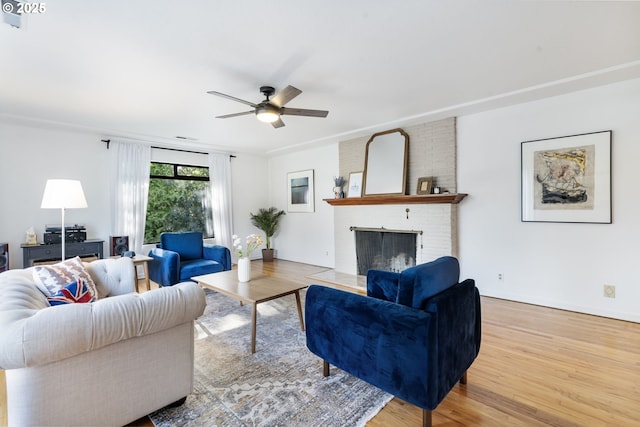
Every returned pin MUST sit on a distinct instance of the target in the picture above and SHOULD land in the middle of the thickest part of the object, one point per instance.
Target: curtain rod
(384, 230)
(108, 141)
(186, 151)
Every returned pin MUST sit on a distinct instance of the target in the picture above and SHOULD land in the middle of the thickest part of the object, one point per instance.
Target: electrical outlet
(609, 291)
(500, 277)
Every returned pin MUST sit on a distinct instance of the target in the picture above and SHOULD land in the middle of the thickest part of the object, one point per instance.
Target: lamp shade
(63, 194)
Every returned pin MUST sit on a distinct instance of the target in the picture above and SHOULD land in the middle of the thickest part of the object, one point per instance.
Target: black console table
(42, 252)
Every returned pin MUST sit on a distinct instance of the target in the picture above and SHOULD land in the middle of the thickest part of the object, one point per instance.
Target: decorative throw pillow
(51, 278)
(72, 293)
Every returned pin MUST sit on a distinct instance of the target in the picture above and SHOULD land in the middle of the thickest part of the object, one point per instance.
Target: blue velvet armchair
(414, 335)
(180, 256)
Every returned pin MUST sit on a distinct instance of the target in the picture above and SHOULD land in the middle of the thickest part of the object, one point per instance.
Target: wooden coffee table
(260, 289)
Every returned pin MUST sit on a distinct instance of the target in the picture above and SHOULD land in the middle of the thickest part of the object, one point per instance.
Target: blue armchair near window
(414, 335)
(180, 256)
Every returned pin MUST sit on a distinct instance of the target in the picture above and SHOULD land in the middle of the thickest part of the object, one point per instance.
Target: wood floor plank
(537, 366)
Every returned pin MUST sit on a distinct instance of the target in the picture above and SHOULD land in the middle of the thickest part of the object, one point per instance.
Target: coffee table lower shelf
(260, 289)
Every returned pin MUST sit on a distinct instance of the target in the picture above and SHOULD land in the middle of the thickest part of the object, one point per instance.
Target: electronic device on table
(73, 233)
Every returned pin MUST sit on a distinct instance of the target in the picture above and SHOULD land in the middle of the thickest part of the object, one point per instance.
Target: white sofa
(108, 362)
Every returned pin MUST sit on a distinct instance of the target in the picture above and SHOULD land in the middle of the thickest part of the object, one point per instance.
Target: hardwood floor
(537, 367)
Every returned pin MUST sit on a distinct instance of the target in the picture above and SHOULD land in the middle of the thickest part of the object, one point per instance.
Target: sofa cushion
(418, 284)
(199, 267)
(75, 292)
(113, 276)
(51, 278)
(188, 244)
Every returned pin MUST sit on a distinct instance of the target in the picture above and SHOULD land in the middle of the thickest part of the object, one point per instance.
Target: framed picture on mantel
(424, 185)
(355, 184)
(567, 179)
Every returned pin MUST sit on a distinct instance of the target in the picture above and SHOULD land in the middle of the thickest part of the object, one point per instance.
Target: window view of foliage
(179, 200)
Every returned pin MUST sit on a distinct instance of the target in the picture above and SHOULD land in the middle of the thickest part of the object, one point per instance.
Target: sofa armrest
(459, 331)
(36, 337)
(164, 269)
(383, 284)
(383, 343)
(219, 253)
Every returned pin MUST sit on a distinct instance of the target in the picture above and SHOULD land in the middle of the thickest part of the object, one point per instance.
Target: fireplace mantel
(453, 199)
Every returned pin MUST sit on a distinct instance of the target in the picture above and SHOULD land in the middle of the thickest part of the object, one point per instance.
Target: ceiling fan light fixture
(267, 114)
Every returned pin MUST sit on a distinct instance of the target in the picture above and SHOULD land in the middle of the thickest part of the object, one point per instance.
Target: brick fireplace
(432, 153)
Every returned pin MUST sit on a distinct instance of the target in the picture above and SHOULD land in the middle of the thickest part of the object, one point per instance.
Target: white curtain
(129, 171)
(220, 175)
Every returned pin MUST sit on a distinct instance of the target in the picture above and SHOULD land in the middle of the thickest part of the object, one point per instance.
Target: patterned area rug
(280, 385)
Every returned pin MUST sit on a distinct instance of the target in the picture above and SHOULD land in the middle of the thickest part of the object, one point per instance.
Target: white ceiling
(140, 69)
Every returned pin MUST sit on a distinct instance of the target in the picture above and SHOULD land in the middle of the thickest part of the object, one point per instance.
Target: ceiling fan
(270, 110)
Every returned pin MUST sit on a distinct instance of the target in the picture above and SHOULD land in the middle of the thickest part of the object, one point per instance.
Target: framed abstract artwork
(567, 179)
(300, 191)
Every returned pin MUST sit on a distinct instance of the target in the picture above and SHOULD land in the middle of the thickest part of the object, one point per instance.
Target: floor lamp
(63, 194)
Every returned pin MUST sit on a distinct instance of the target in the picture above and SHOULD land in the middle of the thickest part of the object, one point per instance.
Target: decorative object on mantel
(338, 183)
(253, 241)
(267, 220)
(453, 199)
(424, 185)
(355, 184)
(385, 163)
(567, 179)
(300, 191)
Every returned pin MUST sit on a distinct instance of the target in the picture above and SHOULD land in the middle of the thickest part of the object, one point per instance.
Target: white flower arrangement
(253, 242)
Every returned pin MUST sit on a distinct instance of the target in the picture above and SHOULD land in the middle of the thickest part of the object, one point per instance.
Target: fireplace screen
(389, 250)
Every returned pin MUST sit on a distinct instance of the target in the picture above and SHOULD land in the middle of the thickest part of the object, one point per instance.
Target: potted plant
(267, 221)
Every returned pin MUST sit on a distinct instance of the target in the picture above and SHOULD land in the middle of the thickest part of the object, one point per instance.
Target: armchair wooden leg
(325, 368)
(426, 418)
(463, 379)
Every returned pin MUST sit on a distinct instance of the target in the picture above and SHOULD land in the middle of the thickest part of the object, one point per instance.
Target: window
(179, 200)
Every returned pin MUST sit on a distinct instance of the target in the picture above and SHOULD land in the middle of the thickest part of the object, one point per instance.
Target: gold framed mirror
(385, 163)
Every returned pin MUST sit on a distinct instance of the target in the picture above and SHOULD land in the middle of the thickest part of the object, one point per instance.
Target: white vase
(244, 269)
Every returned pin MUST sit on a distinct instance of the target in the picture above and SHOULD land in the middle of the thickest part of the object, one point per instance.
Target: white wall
(305, 237)
(250, 193)
(553, 264)
(29, 155)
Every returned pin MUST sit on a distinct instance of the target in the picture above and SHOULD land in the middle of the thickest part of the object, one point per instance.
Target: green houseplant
(267, 220)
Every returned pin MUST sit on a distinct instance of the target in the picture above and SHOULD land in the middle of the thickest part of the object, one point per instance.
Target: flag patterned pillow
(51, 278)
(72, 293)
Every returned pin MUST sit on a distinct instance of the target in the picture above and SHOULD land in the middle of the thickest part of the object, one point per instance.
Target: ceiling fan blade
(278, 123)
(233, 98)
(226, 116)
(285, 95)
(303, 112)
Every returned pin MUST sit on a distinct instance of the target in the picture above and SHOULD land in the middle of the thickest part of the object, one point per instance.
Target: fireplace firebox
(384, 249)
